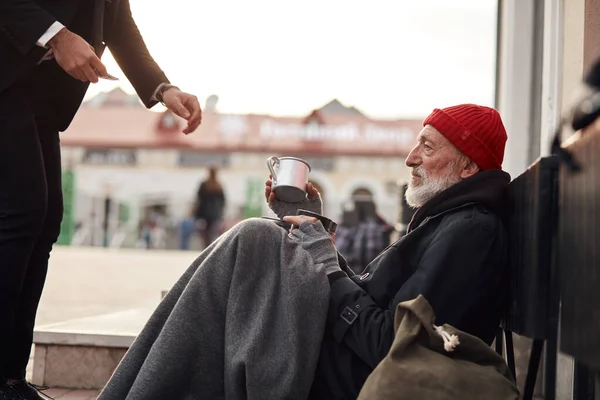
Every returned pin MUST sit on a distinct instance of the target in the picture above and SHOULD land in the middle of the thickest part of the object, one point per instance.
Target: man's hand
(281, 208)
(296, 220)
(312, 192)
(185, 105)
(311, 235)
(76, 56)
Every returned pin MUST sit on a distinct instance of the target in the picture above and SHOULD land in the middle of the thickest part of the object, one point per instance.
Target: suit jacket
(53, 92)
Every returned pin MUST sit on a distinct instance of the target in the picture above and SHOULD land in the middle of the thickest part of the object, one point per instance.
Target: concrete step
(83, 353)
(72, 394)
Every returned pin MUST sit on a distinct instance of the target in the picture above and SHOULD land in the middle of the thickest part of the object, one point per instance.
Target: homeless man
(454, 254)
(267, 314)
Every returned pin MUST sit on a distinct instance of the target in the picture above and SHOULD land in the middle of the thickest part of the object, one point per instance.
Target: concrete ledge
(83, 353)
(81, 339)
(109, 330)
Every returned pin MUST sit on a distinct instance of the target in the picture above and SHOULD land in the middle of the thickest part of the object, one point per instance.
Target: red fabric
(475, 130)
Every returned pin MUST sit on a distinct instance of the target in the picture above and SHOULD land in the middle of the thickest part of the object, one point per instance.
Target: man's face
(436, 165)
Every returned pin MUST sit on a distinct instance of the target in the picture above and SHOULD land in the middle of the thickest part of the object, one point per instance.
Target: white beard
(429, 187)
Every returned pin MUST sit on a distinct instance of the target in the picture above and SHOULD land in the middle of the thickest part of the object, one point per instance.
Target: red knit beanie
(475, 130)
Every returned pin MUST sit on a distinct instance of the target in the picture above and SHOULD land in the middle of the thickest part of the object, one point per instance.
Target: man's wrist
(160, 91)
(50, 33)
(153, 97)
(53, 42)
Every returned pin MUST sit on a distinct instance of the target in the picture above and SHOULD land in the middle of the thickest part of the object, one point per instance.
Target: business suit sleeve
(129, 50)
(23, 22)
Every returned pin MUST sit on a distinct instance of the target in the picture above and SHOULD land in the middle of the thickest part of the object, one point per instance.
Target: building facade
(139, 160)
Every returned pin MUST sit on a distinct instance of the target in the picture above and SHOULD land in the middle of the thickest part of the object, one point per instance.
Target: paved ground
(85, 282)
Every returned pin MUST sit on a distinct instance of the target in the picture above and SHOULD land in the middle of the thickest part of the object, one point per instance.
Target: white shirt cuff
(49, 34)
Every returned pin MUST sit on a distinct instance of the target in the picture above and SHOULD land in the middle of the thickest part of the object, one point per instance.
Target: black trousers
(30, 214)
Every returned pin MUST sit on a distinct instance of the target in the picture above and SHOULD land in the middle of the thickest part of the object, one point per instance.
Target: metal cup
(290, 176)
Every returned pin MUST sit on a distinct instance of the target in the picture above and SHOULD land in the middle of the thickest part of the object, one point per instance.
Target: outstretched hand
(185, 105)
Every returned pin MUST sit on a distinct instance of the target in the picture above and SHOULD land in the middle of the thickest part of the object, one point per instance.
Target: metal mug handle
(271, 161)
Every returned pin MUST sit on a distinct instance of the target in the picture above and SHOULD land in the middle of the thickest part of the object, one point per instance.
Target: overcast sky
(390, 58)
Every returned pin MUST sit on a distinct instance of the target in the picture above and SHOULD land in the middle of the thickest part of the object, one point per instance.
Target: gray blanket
(245, 321)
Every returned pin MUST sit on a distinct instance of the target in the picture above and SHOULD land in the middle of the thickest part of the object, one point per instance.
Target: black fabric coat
(454, 254)
(57, 94)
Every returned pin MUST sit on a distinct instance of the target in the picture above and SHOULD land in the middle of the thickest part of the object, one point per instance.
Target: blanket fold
(245, 321)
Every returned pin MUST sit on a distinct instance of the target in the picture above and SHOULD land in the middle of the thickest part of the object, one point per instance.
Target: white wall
(552, 73)
(515, 81)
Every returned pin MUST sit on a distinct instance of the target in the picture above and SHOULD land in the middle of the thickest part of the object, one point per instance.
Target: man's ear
(469, 169)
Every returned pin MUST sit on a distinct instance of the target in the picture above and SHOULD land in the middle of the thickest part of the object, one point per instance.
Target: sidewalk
(85, 282)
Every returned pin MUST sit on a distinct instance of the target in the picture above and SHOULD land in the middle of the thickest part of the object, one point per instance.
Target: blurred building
(138, 159)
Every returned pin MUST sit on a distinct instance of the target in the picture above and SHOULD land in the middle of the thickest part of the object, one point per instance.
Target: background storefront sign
(320, 163)
(330, 135)
(110, 156)
(194, 159)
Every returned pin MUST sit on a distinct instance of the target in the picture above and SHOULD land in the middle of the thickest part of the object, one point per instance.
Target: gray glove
(317, 241)
(282, 208)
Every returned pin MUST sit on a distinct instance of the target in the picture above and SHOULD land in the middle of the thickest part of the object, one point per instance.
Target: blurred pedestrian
(210, 206)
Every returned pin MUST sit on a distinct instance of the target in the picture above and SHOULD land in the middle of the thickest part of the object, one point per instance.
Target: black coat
(455, 255)
(22, 23)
